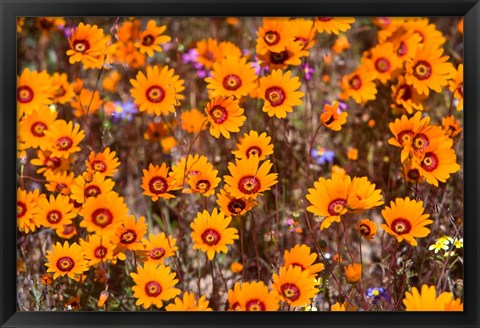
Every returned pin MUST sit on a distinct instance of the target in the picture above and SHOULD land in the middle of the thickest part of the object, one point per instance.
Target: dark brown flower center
(99, 166)
(413, 174)
(401, 226)
(324, 19)
(24, 94)
(405, 92)
(211, 237)
(148, 40)
(60, 91)
(155, 94)
(219, 114)
(236, 206)
(158, 185)
(232, 82)
(422, 70)
(290, 291)
(38, 128)
(275, 95)
(65, 264)
(365, 230)
(52, 162)
(102, 217)
(153, 289)
(279, 57)
(203, 185)
(68, 229)
(272, 38)
(249, 184)
(337, 206)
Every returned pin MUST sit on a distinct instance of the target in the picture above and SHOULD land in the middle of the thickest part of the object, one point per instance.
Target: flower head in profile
(332, 117)
(333, 25)
(367, 229)
(353, 272)
(233, 206)
(211, 234)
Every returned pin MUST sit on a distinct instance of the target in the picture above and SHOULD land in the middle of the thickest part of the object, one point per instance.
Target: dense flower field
(249, 164)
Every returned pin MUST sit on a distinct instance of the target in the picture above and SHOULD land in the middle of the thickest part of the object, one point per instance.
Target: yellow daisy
(32, 127)
(225, 116)
(253, 144)
(55, 212)
(156, 183)
(151, 38)
(234, 206)
(294, 286)
(63, 138)
(67, 260)
(104, 162)
(274, 35)
(90, 185)
(34, 90)
(188, 303)
(104, 213)
(158, 247)
(301, 256)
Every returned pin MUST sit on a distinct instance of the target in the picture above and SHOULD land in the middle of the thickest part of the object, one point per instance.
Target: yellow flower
(63, 138)
(233, 206)
(274, 35)
(98, 249)
(210, 232)
(301, 256)
(34, 90)
(156, 183)
(188, 303)
(353, 272)
(33, 126)
(66, 260)
(90, 185)
(158, 247)
(55, 212)
(104, 213)
(253, 296)
(383, 61)
(27, 209)
(367, 229)
(105, 162)
(88, 45)
(359, 85)
(129, 233)
(154, 284)
(333, 25)
(63, 89)
(252, 144)
(203, 183)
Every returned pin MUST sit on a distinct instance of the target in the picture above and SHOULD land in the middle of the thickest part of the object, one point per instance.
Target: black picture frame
(10, 9)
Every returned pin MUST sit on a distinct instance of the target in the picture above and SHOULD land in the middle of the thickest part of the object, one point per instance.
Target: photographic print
(240, 164)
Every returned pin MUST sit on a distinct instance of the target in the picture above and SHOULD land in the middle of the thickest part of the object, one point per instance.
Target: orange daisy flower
(63, 89)
(88, 45)
(32, 127)
(156, 183)
(406, 97)
(203, 183)
(252, 144)
(103, 214)
(27, 209)
(56, 212)
(158, 247)
(294, 286)
(86, 103)
(359, 85)
(158, 92)
(384, 61)
(274, 35)
(60, 182)
(281, 60)
(232, 76)
(151, 38)
(333, 25)
(34, 90)
(193, 121)
(331, 118)
(63, 138)
(301, 256)
(67, 260)
(280, 93)
(105, 162)
(130, 233)
(224, 115)
(48, 163)
(90, 185)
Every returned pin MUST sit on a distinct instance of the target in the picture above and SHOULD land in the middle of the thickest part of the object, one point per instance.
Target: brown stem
(254, 226)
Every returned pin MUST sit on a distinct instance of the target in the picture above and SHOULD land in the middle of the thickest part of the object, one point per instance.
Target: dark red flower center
(52, 162)
(275, 95)
(219, 114)
(413, 174)
(203, 185)
(365, 230)
(24, 94)
(100, 252)
(401, 226)
(324, 19)
(64, 143)
(102, 217)
(254, 151)
(279, 57)
(290, 291)
(153, 289)
(157, 253)
(337, 206)
(272, 38)
(422, 70)
(99, 166)
(68, 229)
(158, 185)
(38, 128)
(355, 82)
(420, 141)
(430, 162)
(148, 40)
(65, 264)
(21, 209)
(211, 237)
(405, 137)
(60, 91)
(155, 94)
(232, 82)
(249, 184)
(54, 216)
(255, 305)
(298, 265)
(402, 49)
(382, 65)
(128, 237)
(92, 191)
(405, 92)
(81, 46)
